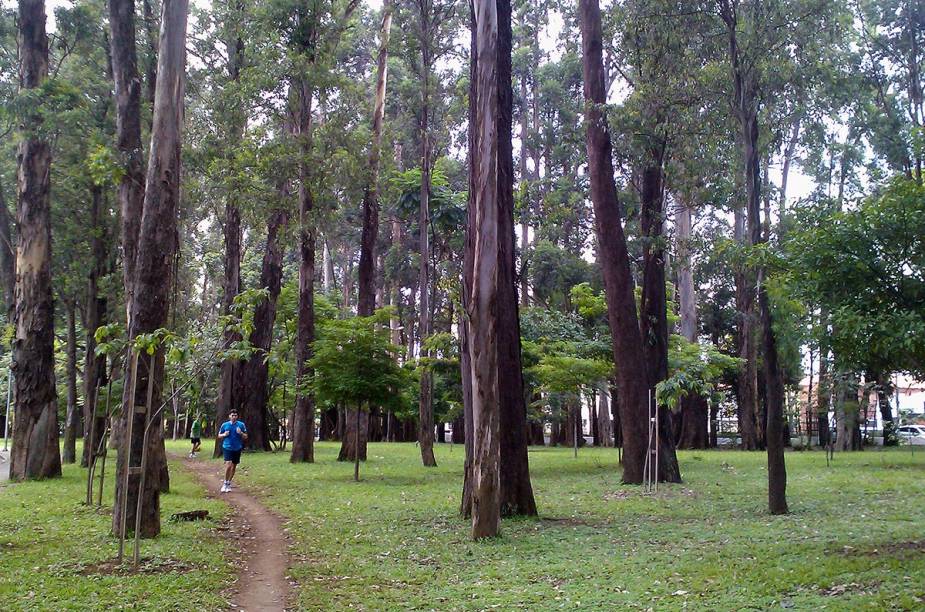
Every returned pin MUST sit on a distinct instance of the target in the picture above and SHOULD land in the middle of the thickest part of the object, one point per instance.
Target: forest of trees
(498, 223)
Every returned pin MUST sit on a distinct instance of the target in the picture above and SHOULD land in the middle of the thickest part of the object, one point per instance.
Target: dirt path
(262, 583)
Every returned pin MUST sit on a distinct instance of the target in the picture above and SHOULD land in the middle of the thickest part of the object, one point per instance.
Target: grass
(854, 539)
(52, 546)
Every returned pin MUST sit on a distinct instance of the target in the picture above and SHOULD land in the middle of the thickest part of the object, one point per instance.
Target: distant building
(907, 403)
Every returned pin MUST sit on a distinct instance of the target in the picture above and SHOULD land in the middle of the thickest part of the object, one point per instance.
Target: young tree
(154, 264)
(35, 435)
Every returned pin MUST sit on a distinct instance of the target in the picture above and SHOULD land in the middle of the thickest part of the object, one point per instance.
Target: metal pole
(9, 398)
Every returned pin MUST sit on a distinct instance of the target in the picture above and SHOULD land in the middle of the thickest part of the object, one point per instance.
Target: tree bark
(35, 452)
(366, 290)
(7, 258)
(94, 313)
(605, 425)
(654, 305)
(631, 377)
(254, 371)
(746, 112)
(747, 376)
(128, 134)
(516, 489)
(303, 430)
(230, 392)
(72, 420)
(884, 391)
(154, 267)
(824, 395)
(693, 411)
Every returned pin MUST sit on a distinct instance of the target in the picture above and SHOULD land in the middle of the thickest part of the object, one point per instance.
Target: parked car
(912, 434)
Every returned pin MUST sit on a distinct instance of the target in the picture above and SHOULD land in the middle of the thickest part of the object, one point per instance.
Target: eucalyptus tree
(154, 264)
(35, 451)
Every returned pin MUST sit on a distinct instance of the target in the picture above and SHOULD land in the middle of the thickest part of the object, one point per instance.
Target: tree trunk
(94, 313)
(484, 241)
(693, 410)
(524, 181)
(846, 412)
(823, 398)
(605, 425)
(654, 305)
(303, 430)
(426, 397)
(72, 420)
(746, 112)
(7, 258)
(254, 392)
(128, 134)
(884, 391)
(747, 377)
(366, 290)
(35, 453)
(153, 270)
(516, 490)
(632, 377)
(230, 394)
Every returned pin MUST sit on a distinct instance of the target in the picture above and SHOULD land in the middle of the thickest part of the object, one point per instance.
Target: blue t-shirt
(233, 442)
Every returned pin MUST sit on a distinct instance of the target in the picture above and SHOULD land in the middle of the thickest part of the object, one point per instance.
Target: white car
(912, 434)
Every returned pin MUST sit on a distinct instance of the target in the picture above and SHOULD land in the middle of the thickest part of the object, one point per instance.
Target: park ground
(855, 538)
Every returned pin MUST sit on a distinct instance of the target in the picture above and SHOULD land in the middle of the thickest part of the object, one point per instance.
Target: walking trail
(262, 583)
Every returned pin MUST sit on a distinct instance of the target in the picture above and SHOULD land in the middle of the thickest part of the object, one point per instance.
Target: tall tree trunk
(654, 305)
(366, 290)
(485, 242)
(632, 378)
(128, 134)
(426, 397)
(72, 420)
(516, 490)
(230, 393)
(7, 258)
(847, 411)
(154, 268)
(747, 377)
(35, 432)
(605, 425)
(693, 406)
(254, 371)
(526, 187)
(94, 313)
(303, 430)
(746, 112)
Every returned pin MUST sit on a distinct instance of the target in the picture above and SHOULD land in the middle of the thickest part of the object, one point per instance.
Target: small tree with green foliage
(355, 366)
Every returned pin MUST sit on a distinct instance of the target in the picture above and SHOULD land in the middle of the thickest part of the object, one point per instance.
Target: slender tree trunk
(303, 431)
(693, 414)
(254, 371)
(605, 425)
(824, 395)
(35, 452)
(366, 290)
(632, 377)
(94, 313)
(7, 258)
(230, 393)
(747, 377)
(654, 305)
(465, 361)
(128, 133)
(526, 187)
(153, 270)
(746, 112)
(72, 420)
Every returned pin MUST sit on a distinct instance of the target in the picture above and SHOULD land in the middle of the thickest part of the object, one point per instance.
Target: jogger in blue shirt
(233, 434)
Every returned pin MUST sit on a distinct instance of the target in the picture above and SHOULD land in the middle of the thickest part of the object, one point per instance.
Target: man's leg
(234, 468)
(229, 471)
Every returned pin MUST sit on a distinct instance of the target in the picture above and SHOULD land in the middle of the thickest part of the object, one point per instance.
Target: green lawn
(855, 538)
(51, 546)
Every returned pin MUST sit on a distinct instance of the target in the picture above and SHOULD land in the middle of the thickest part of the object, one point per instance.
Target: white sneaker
(225, 488)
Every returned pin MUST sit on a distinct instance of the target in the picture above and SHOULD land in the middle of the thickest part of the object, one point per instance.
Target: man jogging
(195, 436)
(233, 434)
